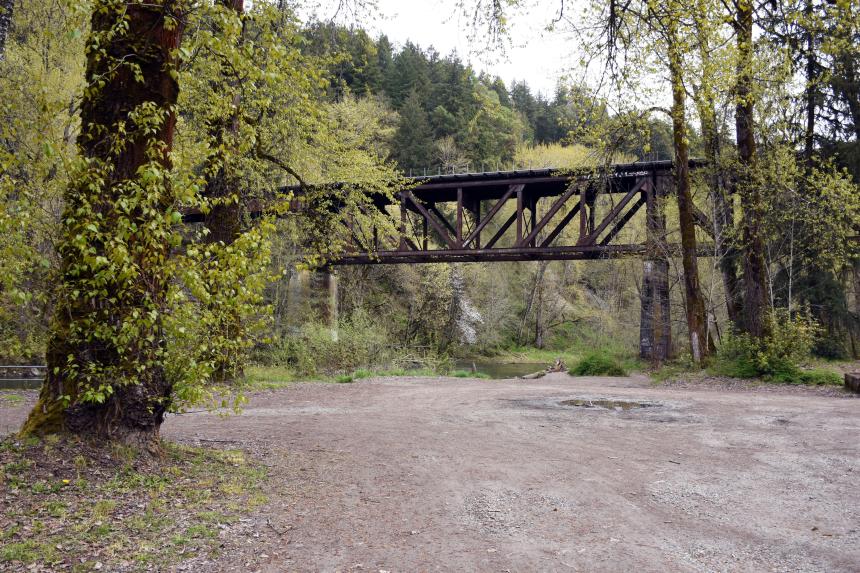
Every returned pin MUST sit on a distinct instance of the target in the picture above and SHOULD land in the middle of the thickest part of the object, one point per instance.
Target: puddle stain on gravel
(594, 404)
(615, 405)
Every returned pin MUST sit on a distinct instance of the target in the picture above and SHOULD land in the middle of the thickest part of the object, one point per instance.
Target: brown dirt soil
(420, 474)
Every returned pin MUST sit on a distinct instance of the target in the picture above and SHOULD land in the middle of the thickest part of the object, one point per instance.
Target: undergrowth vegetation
(79, 508)
(779, 357)
(598, 363)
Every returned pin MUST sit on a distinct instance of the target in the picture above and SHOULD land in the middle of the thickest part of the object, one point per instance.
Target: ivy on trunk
(106, 374)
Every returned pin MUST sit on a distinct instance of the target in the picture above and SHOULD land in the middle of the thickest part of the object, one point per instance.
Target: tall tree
(756, 293)
(695, 305)
(413, 143)
(705, 95)
(106, 375)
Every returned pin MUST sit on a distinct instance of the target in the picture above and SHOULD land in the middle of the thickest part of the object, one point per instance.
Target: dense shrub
(777, 357)
(360, 343)
(598, 363)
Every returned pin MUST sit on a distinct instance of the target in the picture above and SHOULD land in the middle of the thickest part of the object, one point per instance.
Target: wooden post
(655, 333)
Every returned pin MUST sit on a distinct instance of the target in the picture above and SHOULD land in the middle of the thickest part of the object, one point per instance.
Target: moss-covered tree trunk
(756, 295)
(105, 355)
(695, 304)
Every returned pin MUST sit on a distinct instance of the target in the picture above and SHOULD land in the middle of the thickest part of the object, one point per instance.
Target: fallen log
(534, 376)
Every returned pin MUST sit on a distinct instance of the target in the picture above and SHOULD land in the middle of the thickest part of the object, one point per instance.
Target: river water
(499, 370)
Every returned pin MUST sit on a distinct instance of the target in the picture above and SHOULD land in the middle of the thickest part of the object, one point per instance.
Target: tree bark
(756, 294)
(695, 307)
(7, 8)
(98, 339)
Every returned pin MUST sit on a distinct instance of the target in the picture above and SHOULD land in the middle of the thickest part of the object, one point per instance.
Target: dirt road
(466, 475)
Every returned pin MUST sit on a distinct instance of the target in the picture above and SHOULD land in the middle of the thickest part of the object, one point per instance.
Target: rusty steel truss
(520, 216)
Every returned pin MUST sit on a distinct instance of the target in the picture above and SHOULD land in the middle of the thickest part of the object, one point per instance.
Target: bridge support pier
(655, 332)
(655, 327)
(324, 286)
(313, 294)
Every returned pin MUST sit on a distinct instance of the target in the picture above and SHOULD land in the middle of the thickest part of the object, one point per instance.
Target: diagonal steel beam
(591, 238)
(549, 215)
(561, 225)
(507, 225)
(430, 219)
(624, 220)
(435, 210)
(492, 213)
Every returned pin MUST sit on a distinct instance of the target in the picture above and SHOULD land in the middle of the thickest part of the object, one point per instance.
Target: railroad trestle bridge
(535, 215)
(468, 217)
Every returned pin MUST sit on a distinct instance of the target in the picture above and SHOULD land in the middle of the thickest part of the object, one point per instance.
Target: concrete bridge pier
(325, 296)
(655, 330)
(314, 294)
(655, 333)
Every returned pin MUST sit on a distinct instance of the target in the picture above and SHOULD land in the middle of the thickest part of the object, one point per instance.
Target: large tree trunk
(695, 307)
(105, 355)
(756, 293)
(7, 8)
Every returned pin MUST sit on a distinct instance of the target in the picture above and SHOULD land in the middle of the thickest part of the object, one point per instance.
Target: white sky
(536, 56)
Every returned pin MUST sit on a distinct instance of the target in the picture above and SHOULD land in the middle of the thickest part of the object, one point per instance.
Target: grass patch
(819, 377)
(259, 378)
(11, 399)
(83, 501)
(598, 364)
(469, 374)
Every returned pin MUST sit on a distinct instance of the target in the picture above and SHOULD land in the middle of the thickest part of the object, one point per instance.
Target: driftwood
(557, 367)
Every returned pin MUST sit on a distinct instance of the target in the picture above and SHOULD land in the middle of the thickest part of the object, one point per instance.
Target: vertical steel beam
(477, 223)
(583, 215)
(533, 209)
(459, 216)
(519, 215)
(403, 221)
